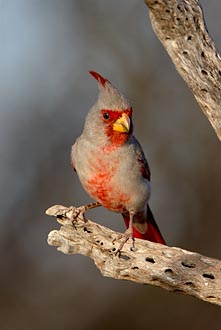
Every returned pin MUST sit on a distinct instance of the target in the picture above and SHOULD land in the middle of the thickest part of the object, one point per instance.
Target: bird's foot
(79, 212)
(125, 237)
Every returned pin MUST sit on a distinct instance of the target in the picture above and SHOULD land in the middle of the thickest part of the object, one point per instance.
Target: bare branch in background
(171, 268)
(180, 26)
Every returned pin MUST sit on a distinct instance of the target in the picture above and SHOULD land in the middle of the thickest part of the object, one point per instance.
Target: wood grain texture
(180, 26)
(171, 268)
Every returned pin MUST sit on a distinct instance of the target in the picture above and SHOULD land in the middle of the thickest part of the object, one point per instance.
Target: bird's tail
(152, 232)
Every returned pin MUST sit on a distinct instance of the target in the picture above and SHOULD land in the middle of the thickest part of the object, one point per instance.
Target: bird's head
(111, 117)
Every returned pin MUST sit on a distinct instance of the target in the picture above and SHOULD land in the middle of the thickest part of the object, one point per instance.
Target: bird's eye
(106, 115)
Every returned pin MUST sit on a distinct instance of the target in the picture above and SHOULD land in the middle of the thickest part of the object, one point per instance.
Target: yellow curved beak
(122, 124)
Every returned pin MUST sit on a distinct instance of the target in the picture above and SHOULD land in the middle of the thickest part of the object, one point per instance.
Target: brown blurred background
(47, 48)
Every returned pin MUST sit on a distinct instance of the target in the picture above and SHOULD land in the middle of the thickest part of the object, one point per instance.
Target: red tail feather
(152, 234)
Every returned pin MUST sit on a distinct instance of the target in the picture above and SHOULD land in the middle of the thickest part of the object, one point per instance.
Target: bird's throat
(116, 138)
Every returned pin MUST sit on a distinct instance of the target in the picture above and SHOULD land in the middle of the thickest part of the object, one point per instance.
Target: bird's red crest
(98, 77)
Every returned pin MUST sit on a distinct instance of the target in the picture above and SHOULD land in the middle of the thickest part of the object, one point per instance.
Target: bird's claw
(125, 237)
(78, 212)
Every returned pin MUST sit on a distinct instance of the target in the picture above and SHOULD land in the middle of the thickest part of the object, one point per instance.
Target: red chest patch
(101, 187)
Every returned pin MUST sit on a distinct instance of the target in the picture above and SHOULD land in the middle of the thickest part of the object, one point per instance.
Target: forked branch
(171, 268)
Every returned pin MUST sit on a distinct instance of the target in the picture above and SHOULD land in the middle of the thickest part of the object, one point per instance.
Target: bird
(111, 164)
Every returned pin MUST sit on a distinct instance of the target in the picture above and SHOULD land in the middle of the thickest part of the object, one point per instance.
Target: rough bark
(180, 26)
(171, 268)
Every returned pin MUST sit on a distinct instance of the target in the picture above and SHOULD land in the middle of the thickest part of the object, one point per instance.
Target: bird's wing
(144, 167)
(73, 153)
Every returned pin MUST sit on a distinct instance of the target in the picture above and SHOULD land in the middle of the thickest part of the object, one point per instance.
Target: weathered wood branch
(171, 268)
(180, 26)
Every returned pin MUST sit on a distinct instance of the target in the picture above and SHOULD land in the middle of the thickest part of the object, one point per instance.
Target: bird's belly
(101, 188)
(107, 181)
(115, 196)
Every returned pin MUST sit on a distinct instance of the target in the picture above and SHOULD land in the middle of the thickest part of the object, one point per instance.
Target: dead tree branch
(171, 268)
(180, 26)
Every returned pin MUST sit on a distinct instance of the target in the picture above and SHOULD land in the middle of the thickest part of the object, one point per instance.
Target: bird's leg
(127, 234)
(80, 211)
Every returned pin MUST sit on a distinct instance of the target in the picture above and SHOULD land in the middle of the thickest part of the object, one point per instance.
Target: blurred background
(47, 48)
